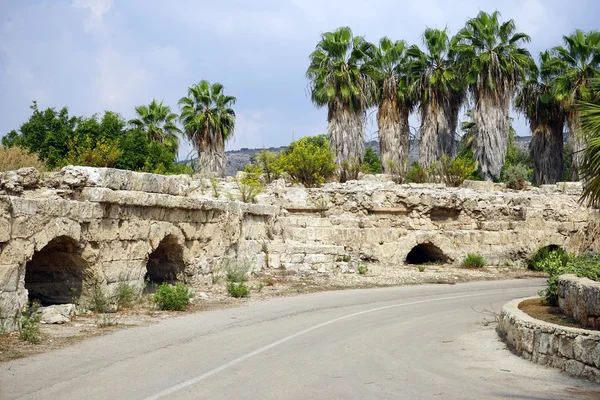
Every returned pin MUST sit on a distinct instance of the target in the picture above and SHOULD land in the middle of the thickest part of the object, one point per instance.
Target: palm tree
(493, 63)
(388, 66)
(590, 127)
(537, 101)
(578, 61)
(158, 123)
(440, 90)
(338, 80)
(209, 121)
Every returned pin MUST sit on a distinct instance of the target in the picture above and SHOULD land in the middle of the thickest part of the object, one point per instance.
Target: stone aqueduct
(68, 231)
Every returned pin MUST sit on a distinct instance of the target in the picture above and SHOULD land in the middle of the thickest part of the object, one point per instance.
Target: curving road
(420, 342)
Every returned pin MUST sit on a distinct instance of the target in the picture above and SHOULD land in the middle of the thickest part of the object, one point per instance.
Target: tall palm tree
(388, 65)
(158, 123)
(579, 61)
(209, 121)
(493, 62)
(537, 101)
(590, 127)
(338, 80)
(440, 90)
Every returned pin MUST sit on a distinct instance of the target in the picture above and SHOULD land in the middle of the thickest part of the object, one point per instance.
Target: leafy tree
(490, 56)
(440, 90)
(537, 101)
(577, 61)
(46, 133)
(209, 121)
(158, 123)
(339, 80)
(388, 64)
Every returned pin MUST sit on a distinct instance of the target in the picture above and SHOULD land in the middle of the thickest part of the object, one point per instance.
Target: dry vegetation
(12, 158)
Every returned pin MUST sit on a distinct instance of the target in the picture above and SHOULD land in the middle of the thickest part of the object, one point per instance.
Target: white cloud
(97, 10)
(249, 126)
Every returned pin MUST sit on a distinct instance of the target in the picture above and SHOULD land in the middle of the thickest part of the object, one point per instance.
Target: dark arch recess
(426, 253)
(166, 262)
(55, 274)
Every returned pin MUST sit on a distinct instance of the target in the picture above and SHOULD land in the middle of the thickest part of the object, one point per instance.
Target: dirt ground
(536, 308)
(266, 285)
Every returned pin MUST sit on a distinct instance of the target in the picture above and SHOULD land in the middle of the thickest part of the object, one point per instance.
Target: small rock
(203, 296)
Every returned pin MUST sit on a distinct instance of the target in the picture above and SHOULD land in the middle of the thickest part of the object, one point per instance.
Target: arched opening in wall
(426, 253)
(165, 264)
(55, 274)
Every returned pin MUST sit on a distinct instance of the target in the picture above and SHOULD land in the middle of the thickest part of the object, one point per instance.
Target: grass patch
(473, 260)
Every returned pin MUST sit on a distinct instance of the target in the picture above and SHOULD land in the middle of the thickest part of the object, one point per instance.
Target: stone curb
(573, 350)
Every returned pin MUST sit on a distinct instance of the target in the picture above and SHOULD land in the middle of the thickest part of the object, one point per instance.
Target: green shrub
(516, 176)
(421, 268)
(474, 260)
(372, 162)
(351, 170)
(534, 263)
(238, 289)
(455, 171)
(416, 174)
(269, 163)
(29, 327)
(363, 269)
(98, 301)
(126, 295)
(308, 161)
(169, 297)
(250, 185)
(554, 265)
(397, 171)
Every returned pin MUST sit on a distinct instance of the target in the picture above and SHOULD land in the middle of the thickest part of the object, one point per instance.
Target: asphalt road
(420, 342)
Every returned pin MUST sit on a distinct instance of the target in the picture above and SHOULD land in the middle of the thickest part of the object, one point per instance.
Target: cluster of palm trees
(207, 119)
(485, 64)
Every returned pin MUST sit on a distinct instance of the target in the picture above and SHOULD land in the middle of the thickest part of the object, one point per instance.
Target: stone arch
(166, 262)
(55, 274)
(424, 253)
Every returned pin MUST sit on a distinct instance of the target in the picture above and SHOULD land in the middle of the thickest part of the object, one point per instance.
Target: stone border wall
(580, 298)
(575, 351)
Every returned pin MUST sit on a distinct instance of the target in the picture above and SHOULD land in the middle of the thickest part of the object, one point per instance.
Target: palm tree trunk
(392, 123)
(211, 154)
(577, 145)
(437, 133)
(492, 120)
(547, 153)
(346, 137)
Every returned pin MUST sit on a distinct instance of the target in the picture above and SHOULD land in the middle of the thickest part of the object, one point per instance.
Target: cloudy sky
(96, 55)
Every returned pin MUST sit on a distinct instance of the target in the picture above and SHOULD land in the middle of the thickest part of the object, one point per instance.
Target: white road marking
(256, 352)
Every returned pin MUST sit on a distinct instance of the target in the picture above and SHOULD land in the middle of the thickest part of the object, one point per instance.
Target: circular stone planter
(575, 351)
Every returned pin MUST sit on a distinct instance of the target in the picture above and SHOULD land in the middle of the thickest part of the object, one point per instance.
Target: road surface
(419, 342)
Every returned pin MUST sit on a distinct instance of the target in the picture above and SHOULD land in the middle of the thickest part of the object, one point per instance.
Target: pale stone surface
(56, 314)
(580, 298)
(575, 351)
(108, 223)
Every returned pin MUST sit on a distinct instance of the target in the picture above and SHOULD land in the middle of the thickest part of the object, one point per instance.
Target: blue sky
(95, 55)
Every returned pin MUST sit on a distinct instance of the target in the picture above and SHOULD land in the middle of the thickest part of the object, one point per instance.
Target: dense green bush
(308, 161)
(169, 297)
(455, 171)
(516, 176)
(535, 262)
(269, 164)
(474, 261)
(556, 264)
(372, 162)
(238, 290)
(416, 174)
(362, 269)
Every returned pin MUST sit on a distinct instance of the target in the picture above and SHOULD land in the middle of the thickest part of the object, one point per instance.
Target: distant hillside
(237, 159)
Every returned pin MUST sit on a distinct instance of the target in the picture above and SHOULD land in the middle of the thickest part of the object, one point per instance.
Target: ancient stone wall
(580, 299)
(66, 232)
(575, 351)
